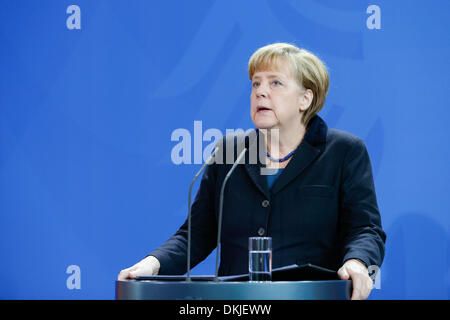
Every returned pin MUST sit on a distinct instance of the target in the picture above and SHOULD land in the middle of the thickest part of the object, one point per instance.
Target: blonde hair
(308, 69)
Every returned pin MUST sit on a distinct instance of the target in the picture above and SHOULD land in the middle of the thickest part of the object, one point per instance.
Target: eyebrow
(269, 76)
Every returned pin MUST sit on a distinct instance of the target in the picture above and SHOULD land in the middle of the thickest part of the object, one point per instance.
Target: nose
(261, 91)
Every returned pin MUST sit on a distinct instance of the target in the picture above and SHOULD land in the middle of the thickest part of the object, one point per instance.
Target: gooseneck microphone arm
(188, 278)
(219, 228)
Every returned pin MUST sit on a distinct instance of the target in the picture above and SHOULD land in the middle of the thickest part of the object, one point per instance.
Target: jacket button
(265, 203)
(261, 231)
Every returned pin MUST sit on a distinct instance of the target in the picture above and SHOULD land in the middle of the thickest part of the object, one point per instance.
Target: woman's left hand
(357, 271)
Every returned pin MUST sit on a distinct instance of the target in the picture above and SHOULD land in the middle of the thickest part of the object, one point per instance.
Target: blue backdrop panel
(89, 99)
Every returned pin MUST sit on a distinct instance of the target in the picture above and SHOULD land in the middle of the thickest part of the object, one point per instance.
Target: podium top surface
(212, 290)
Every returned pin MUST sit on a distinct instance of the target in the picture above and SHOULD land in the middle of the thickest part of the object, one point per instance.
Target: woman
(320, 205)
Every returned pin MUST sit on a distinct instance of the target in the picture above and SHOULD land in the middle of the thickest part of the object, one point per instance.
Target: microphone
(207, 162)
(219, 230)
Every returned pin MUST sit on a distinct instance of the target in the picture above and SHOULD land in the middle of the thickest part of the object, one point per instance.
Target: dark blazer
(321, 210)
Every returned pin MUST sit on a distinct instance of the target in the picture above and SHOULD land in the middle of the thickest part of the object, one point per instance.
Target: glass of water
(260, 258)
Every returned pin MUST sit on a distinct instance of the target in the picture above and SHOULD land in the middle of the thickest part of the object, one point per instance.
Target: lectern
(212, 290)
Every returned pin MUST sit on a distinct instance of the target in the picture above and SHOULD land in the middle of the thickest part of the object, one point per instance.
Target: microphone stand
(188, 278)
(219, 230)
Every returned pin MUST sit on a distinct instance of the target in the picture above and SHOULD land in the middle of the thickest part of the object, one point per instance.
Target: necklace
(282, 159)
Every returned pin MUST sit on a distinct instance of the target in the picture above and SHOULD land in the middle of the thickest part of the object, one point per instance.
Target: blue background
(86, 117)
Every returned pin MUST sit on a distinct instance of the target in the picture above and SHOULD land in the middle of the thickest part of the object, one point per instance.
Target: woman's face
(276, 99)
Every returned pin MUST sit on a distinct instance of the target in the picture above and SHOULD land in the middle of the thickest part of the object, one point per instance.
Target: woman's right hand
(148, 266)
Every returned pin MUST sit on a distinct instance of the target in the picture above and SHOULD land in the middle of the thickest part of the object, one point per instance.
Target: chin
(264, 124)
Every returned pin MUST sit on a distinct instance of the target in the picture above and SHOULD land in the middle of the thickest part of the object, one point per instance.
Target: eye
(255, 84)
(276, 83)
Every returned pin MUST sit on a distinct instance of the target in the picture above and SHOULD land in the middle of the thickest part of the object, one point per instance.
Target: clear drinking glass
(260, 258)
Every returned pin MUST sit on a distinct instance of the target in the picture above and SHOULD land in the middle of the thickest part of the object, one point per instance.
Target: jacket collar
(310, 148)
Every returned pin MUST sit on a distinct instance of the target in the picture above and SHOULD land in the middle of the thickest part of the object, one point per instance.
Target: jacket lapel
(253, 165)
(303, 157)
(310, 148)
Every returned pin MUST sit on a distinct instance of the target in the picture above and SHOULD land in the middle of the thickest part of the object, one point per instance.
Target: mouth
(262, 109)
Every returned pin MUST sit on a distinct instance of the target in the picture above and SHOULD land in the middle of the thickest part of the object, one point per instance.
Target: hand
(148, 266)
(357, 271)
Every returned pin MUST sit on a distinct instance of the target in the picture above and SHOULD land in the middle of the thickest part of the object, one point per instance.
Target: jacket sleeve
(172, 255)
(361, 232)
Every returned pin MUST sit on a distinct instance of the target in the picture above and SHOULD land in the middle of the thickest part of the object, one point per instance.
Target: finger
(343, 274)
(361, 287)
(123, 275)
(368, 288)
(356, 294)
(135, 272)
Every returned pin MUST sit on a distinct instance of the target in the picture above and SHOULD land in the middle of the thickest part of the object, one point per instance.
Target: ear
(306, 99)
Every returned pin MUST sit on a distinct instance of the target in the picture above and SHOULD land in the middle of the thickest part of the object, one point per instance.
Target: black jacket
(321, 210)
